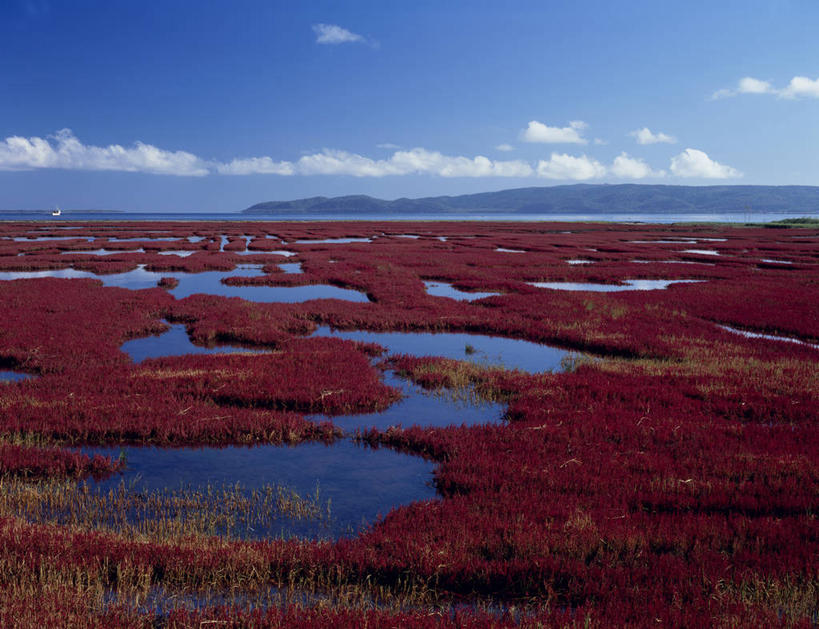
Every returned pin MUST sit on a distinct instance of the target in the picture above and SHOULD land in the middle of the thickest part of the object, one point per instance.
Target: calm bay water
(630, 217)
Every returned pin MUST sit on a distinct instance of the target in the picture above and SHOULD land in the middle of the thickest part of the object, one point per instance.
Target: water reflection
(331, 241)
(360, 483)
(770, 337)
(442, 289)
(611, 288)
(422, 408)
(475, 348)
(175, 342)
(291, 267)
(207, 282)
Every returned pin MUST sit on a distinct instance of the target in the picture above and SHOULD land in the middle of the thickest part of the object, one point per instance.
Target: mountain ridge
(586, 198)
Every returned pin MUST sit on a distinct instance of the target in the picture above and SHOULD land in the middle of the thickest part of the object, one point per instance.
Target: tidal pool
(770, 337)
(360, 483)
(207, 282)
(13, 376)
(442, 289)
(421, 408)
(253, 252)
(144, 239)
(182, 253)
(475, 348)
(672, 262)
(41, 238)
(331, 241)
(175, 342)
(291, 267)
(611, 288)
(103, 252)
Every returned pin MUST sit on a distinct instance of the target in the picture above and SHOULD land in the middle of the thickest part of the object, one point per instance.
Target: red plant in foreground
(673, 479)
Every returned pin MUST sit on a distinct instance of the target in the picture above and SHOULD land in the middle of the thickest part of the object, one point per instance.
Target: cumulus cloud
(415, 161)
(799, 86)
(64, 150)
(645, 136)
(539, 132)
(255, 166)
(334, 34)
(695, 163)
(562, 166)
(629, 167)
(505, 147)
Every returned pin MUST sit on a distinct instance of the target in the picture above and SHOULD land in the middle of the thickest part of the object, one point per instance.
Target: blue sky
(213, 106)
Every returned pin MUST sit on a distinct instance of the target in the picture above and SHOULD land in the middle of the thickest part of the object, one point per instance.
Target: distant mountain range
(580, 198)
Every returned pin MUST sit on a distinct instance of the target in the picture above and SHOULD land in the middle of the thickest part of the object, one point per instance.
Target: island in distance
(585, 198)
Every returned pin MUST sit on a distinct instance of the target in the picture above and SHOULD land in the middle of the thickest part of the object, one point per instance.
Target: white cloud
(694, 163)
(799, 86)
(415, 161)
(562, 166)
(750, 85)
(629, 167)
(65, 151)
(255, 166)
(505, 147)
(600, 142)
(539, 132)
(333, 34)
(645, 136)
(388, 145)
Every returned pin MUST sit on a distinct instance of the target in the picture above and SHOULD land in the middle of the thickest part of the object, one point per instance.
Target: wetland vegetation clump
(665, 472)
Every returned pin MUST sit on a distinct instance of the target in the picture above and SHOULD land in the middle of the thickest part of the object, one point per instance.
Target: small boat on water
(56, 212)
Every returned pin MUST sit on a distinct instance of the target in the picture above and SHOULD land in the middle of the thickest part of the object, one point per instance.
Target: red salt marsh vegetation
(669, 475)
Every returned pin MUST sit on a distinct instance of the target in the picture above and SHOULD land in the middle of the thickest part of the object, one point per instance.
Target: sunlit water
(611, 288)
(475, 348)
(442, 289)
(207, 282)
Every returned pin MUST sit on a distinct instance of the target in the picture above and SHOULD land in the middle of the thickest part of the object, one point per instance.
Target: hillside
(585, 198)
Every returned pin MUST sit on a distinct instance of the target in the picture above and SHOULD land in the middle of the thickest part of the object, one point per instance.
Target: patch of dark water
(611, 288)
(13, 376)
(475, 348)
(360, 484)
(422, 408)
(442, 289)
(207, 282)
(175, 342)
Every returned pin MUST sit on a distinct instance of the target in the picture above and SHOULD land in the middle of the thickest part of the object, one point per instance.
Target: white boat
(56, 212)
